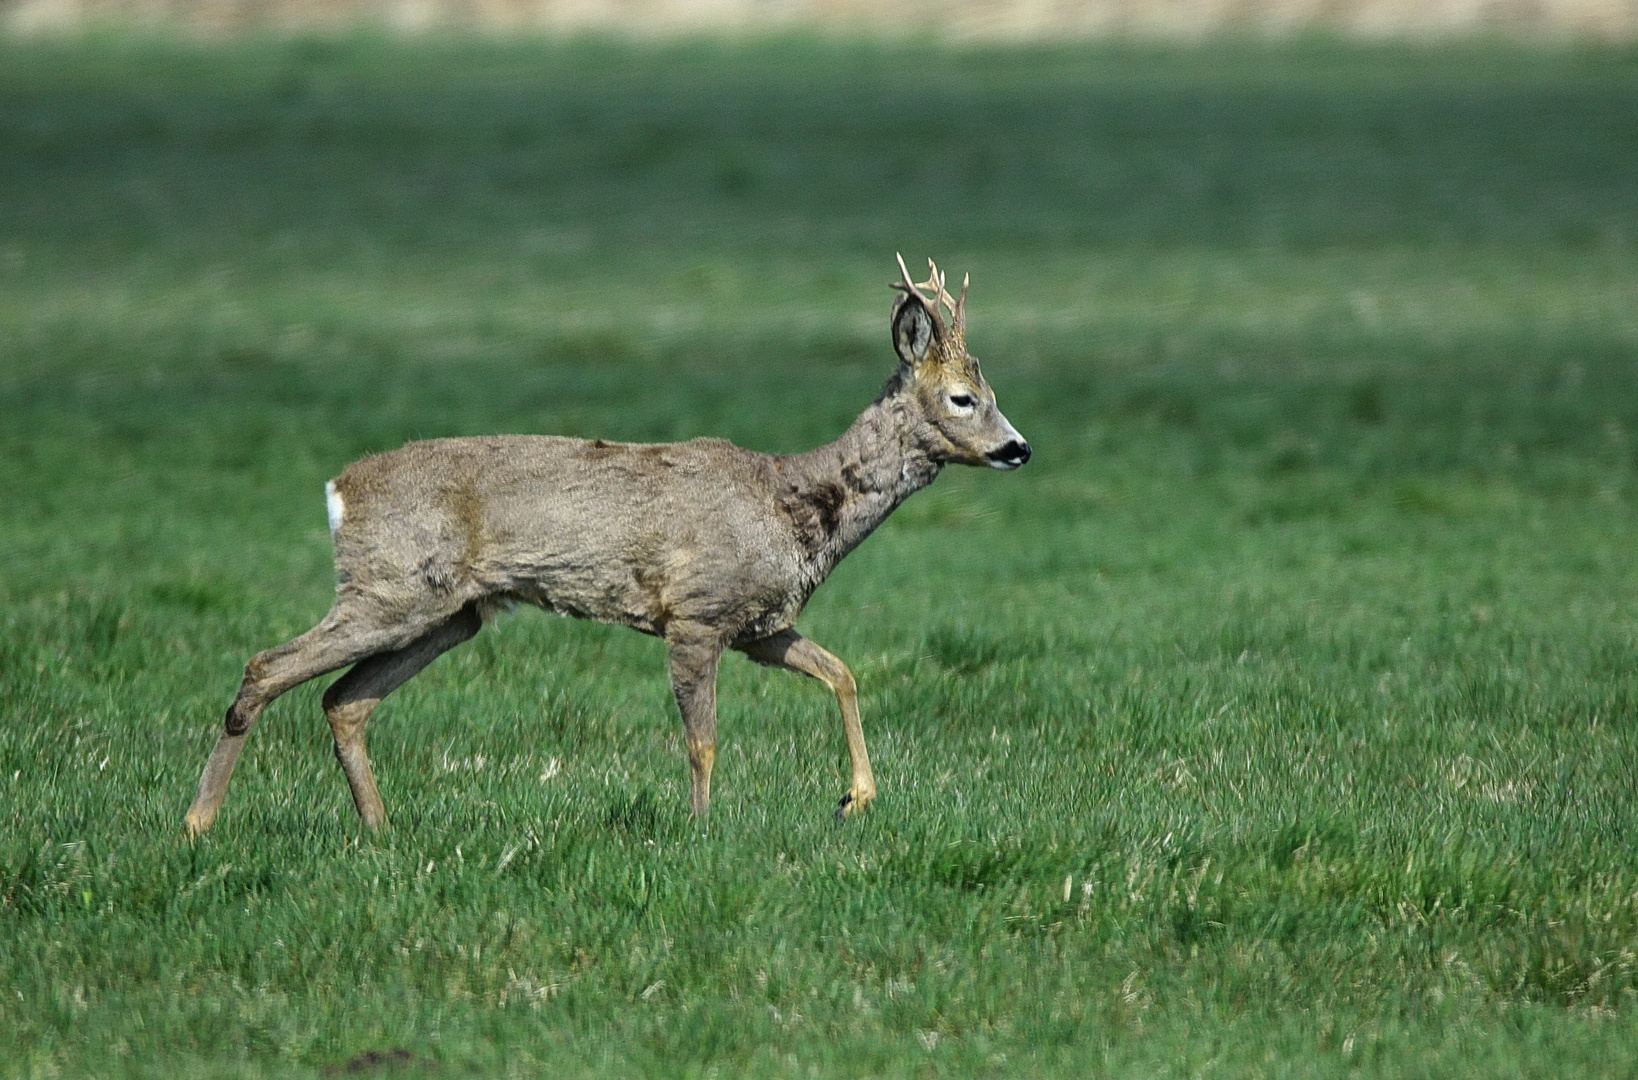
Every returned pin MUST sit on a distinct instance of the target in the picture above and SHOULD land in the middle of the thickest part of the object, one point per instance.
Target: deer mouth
(1010, 456)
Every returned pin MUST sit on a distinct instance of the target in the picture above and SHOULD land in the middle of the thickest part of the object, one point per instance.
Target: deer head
(958, 418)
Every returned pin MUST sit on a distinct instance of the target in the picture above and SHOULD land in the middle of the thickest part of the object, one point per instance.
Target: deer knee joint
(347, 718)
(239, 717)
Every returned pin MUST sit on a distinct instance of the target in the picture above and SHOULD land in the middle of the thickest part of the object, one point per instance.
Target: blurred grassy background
(1276, 720)
(969, 21)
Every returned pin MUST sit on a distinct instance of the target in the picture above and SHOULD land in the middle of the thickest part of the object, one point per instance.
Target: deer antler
(935, 283)
(957, 306)
(957, 309)
(904, 284)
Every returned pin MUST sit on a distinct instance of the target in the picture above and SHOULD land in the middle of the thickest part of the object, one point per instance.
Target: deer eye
(961, 401)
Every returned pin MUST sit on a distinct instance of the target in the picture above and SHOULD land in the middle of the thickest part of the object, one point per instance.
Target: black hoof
(841, 807)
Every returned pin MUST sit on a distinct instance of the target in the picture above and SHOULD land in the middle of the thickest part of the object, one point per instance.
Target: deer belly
(604, 594)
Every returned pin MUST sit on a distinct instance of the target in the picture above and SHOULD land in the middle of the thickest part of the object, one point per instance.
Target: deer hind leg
(351, 699)
(793, 652)
(694, 652)
(345, 636)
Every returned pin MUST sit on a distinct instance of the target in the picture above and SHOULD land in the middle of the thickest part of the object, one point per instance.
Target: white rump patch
(333, 503)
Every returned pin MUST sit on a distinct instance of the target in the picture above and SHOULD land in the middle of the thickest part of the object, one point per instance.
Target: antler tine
(935, 285)
(961, 305)
(941, 295)
(935, 280)
(904, 283)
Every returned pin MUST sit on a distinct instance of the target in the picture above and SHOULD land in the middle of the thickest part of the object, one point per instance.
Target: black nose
(1015, 453)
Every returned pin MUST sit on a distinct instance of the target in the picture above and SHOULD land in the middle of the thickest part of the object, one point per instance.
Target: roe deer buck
(703, 544)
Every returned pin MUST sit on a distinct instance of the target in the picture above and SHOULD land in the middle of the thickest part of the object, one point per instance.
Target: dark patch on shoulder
(827, 500)
(815, 513)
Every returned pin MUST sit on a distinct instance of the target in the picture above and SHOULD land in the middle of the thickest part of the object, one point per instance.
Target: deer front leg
(694, 651)
(793, 652)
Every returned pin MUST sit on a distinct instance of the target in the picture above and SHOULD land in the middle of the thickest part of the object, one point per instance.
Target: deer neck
(847, 488)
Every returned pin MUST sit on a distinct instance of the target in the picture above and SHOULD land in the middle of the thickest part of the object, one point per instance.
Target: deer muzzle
(1009, 456)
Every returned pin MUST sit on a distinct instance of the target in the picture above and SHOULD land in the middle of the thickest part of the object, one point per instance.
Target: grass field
(1277, 720)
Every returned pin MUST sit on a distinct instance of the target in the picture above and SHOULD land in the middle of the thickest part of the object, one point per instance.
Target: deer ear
(914, 331)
